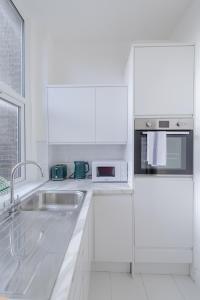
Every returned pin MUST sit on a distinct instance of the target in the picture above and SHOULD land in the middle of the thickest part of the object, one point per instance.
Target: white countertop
(88, 185)
(62, 287)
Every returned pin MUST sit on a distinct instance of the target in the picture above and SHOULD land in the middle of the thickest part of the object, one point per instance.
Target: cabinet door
(71, 114)
(164, 80)
(113, 228)
(111, 115)
(163, 213)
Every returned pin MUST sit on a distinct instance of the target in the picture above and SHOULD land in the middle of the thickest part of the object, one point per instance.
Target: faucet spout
(13, 172)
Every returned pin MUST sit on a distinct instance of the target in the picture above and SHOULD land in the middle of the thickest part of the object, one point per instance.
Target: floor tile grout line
(178, 288)
(175, 281)
(144, 286)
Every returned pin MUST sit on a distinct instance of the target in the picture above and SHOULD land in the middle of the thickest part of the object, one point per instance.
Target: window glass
(10, 138)
(11, 47)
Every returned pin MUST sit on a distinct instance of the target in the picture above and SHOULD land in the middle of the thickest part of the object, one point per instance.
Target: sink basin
(33, 242)
(56, 200)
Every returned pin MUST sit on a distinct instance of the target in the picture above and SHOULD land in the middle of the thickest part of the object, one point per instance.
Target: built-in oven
(177, 137)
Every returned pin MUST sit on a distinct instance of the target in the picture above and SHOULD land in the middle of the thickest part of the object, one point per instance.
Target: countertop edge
(65, 277)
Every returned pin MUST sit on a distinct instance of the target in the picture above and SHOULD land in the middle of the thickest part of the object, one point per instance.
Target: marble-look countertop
(88, 185)
(62, 286)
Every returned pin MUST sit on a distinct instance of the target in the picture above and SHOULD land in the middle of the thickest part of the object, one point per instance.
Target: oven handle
(173, 132)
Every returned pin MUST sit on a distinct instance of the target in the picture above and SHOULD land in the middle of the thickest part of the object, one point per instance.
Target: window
(12, 104)
(11, 136)
(11, 47)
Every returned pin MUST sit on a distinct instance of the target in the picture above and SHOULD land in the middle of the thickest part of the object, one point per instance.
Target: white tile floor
(119, 286)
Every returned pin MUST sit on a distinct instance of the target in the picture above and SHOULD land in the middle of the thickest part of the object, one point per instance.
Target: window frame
(18, 101)
(8, 94)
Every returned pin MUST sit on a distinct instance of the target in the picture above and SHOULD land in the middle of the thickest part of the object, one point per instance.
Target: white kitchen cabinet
(163, 219)
(164, 80)
(111, 115)
(87, 115)
(113, 229)
(81, 280)
(71, 115)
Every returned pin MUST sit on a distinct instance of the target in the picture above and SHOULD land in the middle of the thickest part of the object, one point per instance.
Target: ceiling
(106, 19)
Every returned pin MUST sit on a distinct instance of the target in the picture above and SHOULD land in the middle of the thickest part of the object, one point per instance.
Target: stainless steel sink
(33, 242)
(58, 200)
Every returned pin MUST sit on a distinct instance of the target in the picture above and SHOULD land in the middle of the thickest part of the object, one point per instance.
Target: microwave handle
(173, 132)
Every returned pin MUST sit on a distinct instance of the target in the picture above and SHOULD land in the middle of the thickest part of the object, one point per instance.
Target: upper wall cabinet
(87, 115)
(164, 80)
(71, 115)
(111, 115)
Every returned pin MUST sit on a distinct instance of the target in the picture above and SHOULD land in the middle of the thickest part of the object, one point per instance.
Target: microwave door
(105, 171)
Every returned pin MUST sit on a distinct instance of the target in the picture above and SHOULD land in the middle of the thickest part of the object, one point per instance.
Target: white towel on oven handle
(157, 148)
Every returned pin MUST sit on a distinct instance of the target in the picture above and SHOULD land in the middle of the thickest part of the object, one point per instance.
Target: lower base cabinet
(163, 220)
(113, 228)
(108, 237)
(162, 231)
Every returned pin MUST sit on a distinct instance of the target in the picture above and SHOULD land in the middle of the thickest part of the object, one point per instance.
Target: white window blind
(11, 47)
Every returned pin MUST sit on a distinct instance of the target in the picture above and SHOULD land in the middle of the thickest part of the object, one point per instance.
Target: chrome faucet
(15, 168)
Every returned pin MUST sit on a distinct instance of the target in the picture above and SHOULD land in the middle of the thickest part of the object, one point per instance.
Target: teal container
(81, 168)
(59, 172)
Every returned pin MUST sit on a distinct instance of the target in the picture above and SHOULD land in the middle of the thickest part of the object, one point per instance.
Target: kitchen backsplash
(67, 154)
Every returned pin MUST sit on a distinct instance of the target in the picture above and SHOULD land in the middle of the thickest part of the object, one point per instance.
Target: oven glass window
(106, 171)
(176, 153)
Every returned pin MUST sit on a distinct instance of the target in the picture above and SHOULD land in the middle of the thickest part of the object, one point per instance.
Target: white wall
(188, 29)
(35, 80)
(36, 75)
(38, 81)
(87, 63)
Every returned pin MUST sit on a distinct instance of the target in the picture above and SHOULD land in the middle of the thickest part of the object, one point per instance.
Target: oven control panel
(164, 124)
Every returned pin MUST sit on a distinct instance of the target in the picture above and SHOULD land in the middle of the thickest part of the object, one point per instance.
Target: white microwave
(110, 171)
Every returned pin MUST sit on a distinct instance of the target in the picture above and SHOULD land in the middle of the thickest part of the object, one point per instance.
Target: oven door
(179, 154)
